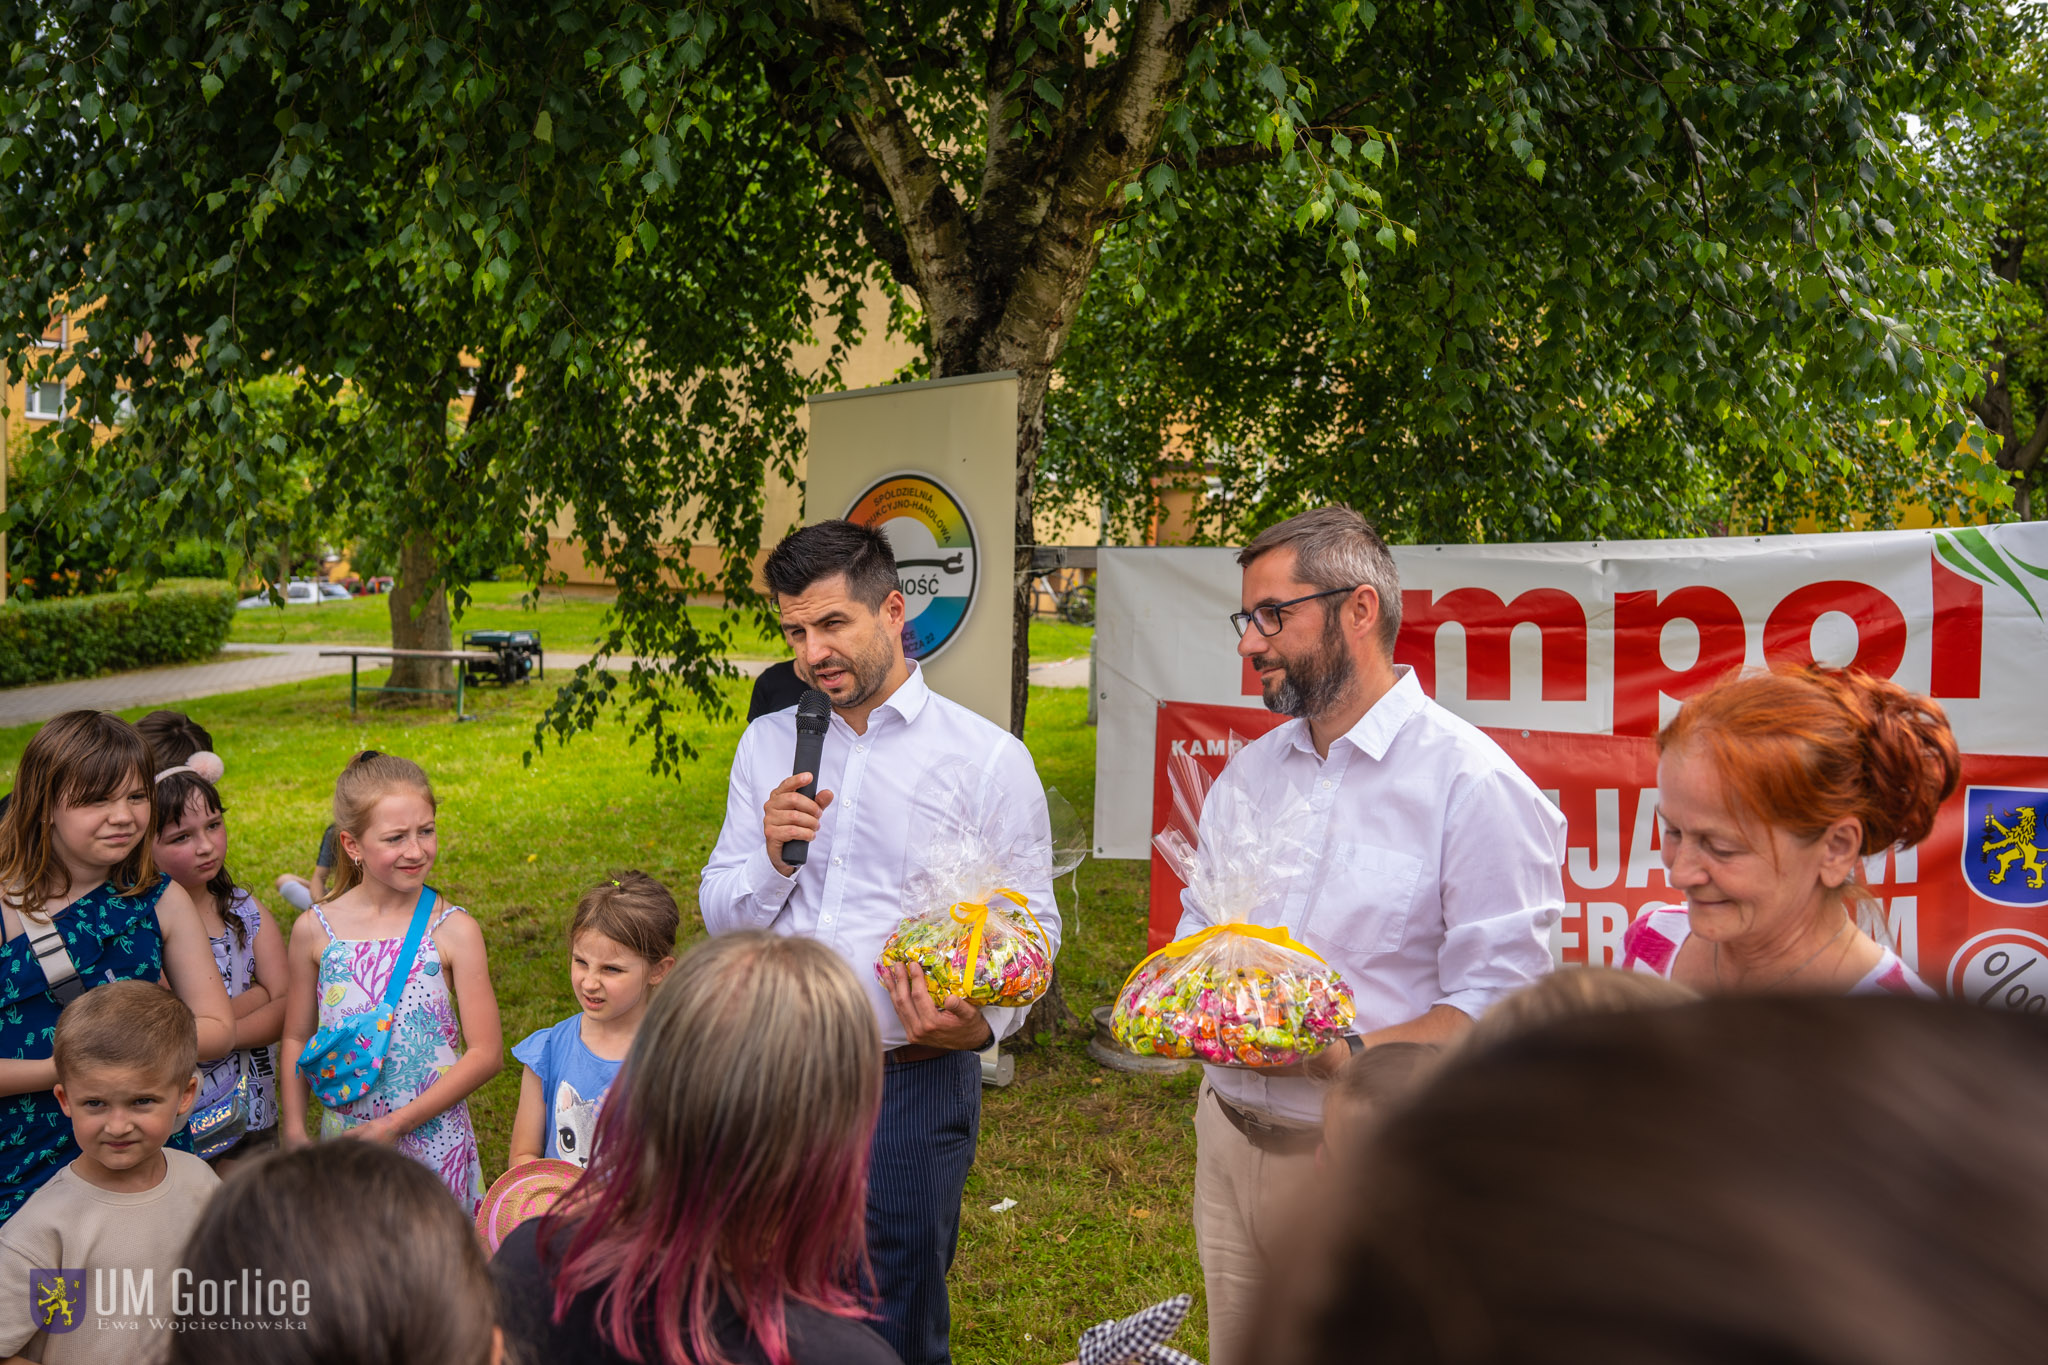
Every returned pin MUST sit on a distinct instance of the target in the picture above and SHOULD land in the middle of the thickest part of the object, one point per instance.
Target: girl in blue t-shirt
(622, 942)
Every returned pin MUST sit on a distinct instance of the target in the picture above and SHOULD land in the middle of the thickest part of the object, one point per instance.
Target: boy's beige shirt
(71, 1224)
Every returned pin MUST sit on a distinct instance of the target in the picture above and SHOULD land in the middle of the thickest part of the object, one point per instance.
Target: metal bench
(465, 659)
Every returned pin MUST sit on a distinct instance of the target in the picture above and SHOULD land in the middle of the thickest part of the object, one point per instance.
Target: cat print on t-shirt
(574, 1081)
(575, 1123)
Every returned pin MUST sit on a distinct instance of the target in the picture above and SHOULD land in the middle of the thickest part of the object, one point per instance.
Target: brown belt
(1268, 1136)
(914, 1052)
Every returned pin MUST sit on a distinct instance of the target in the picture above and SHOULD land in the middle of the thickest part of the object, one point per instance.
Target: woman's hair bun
(1910, 760)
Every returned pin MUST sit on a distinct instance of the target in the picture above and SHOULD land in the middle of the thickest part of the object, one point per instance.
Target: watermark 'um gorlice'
(125, 1299)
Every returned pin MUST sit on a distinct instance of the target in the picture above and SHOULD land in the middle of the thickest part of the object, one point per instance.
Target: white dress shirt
(1439, 876)
(850, 893)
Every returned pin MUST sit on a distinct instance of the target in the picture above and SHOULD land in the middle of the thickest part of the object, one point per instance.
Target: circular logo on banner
(936, 565)
(2002, 969)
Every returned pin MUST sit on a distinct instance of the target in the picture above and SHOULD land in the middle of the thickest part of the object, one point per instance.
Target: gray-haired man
(1438, 882)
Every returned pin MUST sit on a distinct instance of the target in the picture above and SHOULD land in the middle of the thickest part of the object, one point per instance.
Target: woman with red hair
(1771, 790)
(721, 1219)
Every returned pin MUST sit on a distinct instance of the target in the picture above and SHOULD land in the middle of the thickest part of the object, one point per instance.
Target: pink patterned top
(1651, 945)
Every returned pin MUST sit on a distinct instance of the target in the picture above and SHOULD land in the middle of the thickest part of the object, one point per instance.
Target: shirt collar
(1374, 733)
(908, 701)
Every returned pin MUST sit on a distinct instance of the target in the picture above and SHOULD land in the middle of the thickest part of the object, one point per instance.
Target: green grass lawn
(1101, 1164)
(570, 623)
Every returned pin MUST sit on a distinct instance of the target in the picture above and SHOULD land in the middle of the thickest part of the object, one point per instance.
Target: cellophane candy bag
(968, 922)
(1236, 993)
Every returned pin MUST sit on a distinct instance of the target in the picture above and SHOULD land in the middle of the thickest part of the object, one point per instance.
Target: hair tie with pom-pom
(205, 764)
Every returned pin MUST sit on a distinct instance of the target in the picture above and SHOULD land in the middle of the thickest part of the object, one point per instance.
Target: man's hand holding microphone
(789, 823)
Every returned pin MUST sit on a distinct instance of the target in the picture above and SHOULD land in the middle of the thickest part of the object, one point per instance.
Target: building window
(55, 335)
(45, 401)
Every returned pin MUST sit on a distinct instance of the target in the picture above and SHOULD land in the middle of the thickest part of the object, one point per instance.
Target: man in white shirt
(1437, 881)
(892, 747)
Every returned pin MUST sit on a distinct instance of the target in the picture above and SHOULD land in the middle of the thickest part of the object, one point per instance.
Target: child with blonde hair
(379, 972)
(622, 942)
(119, 1213)
(83, 905)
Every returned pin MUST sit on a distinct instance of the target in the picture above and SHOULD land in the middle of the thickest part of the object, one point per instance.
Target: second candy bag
(1236, 993)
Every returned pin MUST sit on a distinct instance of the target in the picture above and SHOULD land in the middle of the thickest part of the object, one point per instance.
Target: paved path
(250, 666)
(253, 666)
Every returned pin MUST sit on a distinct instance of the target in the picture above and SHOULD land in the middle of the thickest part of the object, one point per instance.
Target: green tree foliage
(2006, 158)
(1675, 272)
(396, 203)
(1569, 218)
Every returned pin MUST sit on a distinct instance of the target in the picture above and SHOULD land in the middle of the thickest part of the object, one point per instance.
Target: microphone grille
(814, 706)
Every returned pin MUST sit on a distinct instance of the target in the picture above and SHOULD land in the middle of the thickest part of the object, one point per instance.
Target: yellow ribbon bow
(976, 916)
(1266, 933)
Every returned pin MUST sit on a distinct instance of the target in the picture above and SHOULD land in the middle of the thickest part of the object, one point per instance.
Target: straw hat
(526, 1191)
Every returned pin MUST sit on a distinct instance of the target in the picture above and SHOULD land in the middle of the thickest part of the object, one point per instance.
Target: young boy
(86, 1263)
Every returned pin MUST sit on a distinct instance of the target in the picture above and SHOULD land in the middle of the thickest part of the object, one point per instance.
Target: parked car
(333, 592)
(298, 593)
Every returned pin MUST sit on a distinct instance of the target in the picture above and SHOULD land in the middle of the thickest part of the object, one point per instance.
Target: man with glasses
(1437, 885)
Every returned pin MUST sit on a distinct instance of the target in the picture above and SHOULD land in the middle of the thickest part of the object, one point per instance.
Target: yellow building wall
(17, 428)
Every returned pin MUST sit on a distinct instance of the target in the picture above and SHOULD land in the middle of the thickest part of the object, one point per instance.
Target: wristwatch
(1355, 1043)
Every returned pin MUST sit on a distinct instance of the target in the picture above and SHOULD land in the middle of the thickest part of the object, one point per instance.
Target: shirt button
(860, 748)
(835, 862)
(1326, 784)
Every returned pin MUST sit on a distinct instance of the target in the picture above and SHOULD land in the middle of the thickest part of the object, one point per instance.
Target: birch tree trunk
(419, 621)
(1000, 283)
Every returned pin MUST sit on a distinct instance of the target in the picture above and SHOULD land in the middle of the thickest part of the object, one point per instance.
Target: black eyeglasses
(1267, 618)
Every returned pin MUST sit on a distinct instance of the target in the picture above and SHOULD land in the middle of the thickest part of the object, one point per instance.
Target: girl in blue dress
(83, 904)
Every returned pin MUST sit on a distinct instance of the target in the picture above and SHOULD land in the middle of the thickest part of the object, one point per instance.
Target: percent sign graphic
(2017, 996)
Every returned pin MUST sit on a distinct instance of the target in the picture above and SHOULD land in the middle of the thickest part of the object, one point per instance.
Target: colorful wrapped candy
(975, 951)
(965, 921)
(1235, 993)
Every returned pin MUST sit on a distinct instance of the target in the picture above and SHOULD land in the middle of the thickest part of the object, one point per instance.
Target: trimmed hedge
(78, 637)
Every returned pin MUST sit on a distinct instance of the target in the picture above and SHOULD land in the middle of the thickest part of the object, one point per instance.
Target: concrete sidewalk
(252, 666)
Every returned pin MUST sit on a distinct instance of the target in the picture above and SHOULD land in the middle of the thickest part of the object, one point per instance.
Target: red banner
(1967, 909)
(1209, 734)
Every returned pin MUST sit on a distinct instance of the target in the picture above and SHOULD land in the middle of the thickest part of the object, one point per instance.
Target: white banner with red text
(1573, 655)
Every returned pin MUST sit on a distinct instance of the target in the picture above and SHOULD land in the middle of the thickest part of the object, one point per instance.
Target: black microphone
(813, 718)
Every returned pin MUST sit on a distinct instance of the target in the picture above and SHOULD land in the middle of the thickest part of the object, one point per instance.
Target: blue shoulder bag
(342, 1062)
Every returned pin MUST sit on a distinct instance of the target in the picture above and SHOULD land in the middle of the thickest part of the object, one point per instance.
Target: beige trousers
(1241, 1200)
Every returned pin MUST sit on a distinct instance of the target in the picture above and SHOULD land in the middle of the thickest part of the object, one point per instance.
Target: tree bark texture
(419, 621)
(1000, 282)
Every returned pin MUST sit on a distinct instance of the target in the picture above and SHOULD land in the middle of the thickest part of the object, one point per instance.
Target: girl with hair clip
(83, 905)
(191, 845)
(1772, 789)
(350, 953)
(721, 1221)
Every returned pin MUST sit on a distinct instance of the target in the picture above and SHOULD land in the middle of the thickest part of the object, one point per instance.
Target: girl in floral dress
(342, 956)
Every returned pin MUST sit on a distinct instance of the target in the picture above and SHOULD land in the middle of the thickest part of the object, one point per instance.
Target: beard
(869, 669)
(1313, 683)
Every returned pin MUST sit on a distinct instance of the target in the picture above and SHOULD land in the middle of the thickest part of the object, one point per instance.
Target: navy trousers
(917, 1168)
